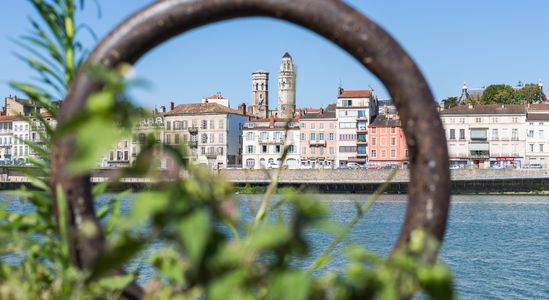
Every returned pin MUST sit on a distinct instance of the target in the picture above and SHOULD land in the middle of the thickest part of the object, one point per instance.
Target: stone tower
(286, 88)
(260, 94)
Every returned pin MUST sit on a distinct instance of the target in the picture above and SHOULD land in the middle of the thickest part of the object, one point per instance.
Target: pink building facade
(386, 142)
(318, 129)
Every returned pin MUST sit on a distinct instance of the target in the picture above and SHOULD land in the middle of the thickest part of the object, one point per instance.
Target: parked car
(535, 166)
(389, 167)
(374, 167)
(454, 167)
(273, 165)
(353, 165)
(306, 167)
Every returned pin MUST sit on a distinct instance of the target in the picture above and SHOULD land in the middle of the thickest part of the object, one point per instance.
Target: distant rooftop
(354, 93)
(202, 108)
(385, 121)
(486, 109)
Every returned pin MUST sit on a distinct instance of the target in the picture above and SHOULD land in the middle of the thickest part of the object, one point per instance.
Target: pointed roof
(287, 55)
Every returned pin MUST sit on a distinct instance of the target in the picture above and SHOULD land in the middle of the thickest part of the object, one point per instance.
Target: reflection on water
(497, 246)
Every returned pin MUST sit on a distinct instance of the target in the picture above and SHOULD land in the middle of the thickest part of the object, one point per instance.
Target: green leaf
(194, 232)
(100, 102)
(291, 285)
(145, 206)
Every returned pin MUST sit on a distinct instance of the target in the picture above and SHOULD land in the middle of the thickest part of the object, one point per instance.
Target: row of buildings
(357, 129)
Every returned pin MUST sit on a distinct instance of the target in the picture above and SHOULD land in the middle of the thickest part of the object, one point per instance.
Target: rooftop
(354, 93)
(202, 108)
(537, 117)
(493, 109)
(385, 121)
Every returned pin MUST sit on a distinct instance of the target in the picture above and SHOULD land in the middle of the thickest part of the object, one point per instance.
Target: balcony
(193, 144)
(271, 142)
(362, 129)
(193, 130)
(211, 155)
(362, 142)
(317, 143)
(480, 154)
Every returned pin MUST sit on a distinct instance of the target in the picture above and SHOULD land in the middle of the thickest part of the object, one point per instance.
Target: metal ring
(358, 35)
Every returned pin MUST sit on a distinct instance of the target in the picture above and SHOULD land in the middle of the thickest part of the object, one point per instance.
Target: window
(452, 134)
(541, 134)
(478, 120)
(312, 125)
(250, 136)
(184, 125)
(303, 150)
(383, 153)
(168, 139)
(221, 124)
(312, 151)
(347, 137)
(312, 136)
(321, 136)
(221, 138)
(278, 136)
(462, 134)
(177, 139)
(514, 133)
(126, 155)
(264, 136)
(212, 124)
(347, 149)
(168, 125)
(212, 138)
(346, 103)
(302, 125)
(321, 150)
(331, 136)
(406, 153)
(291, 149)
(251, 149)
(393, 153)
(250, 162)
(349, 125)
(203, 150)
(204, 138)
(204, 124)
(374, 153)
(531, 146)
(302, 136)
(332, 150)
(462, 120)
(264, 149)
(220, 150)
(374, 129)
(495, 134)
(331, 125)
(393, 141)
(290, 136)
(515, 120)
(321, 125)
(530, 133)
(277, 148)
(540, 147)
(494, 120)
(374, 141)
(393, 130)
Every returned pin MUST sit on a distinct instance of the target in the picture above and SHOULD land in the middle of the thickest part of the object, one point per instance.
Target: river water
(497, 246)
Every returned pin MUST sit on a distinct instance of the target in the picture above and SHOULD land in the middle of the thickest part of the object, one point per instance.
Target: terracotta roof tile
(486, 109)
(202, 108)
(355, 94)
(539, 107)
(537, 117)
(8, 118)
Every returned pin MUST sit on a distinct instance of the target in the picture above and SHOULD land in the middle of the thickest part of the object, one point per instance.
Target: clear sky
(480, 42)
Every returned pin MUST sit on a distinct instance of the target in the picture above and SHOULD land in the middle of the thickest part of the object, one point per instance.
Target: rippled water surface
(497, 246)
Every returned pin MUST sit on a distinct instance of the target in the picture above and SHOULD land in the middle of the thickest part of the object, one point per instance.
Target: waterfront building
(318, 132)
(264, 141)
(211, 130)
(6, 137)
(354, 110)
(386, 141)
(537, 135)
(485, 135)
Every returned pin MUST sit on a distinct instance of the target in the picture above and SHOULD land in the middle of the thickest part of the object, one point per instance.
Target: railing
(193, 144)
(317, 143)
(193, 130)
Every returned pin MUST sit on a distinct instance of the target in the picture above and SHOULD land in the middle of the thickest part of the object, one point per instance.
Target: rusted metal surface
(332, 19)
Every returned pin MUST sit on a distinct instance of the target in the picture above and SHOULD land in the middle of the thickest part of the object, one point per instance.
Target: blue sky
(481, 42)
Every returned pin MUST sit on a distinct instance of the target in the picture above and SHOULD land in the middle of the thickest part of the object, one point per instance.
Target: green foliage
(450, 102)
(529, 93)
(208, 251)
(499, 94)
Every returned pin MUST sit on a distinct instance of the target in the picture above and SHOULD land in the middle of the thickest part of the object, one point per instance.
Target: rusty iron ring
(358, 35)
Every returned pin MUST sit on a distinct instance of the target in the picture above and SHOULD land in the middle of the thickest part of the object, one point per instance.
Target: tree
(499, 94)
(450, 102)
(529, 93)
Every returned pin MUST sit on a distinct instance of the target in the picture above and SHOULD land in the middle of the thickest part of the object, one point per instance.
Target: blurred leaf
(194, 233)
(291, 285)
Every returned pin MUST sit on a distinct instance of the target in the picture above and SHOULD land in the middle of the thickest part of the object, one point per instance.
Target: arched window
(263, 86)
(250, 162)
(271, 161)
(256, 86)
(262, 162)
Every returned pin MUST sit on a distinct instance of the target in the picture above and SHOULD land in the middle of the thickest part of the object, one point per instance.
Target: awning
(479, 147)
(357, 160)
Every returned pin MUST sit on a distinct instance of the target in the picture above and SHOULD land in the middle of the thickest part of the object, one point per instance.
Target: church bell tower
(260, 94)
(286, 87)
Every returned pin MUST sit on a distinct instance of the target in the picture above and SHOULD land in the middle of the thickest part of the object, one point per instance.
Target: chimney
(172, 106)
(250, 111)
(242, 109)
